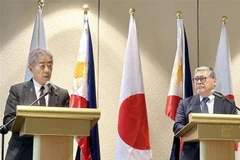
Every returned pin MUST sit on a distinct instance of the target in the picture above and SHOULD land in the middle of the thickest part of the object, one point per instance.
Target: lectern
(54, 128)
(217, 134)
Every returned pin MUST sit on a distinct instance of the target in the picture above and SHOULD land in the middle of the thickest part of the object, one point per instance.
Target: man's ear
(215, 82)
(30, 68)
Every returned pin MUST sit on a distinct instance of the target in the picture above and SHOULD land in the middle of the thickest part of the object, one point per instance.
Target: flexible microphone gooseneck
(3, 128)
(220, 95)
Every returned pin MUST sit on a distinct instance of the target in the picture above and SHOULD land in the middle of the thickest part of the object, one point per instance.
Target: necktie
(204, 105)
(42, 101)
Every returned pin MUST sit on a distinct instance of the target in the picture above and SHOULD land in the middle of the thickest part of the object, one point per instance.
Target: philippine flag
(181, 82)
(84, 94)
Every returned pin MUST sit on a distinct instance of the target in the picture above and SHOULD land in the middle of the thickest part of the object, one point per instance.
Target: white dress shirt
(37, 87)
(209, 103)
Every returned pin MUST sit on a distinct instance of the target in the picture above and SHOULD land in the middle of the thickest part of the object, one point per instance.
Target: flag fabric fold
(223, 72)
(181, 82)
(38, 39)
(223, 66)
(133, 140)
(84, 94)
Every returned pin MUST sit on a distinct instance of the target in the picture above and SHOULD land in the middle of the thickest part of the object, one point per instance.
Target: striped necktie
(42, 101)
(204, 105)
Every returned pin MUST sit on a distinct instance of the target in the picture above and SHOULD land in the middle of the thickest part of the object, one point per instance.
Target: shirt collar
(36, 85)
(211, 98)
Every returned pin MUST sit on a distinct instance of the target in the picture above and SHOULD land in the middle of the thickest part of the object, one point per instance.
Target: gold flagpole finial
(131, 11)
(179, 14)
(85, 8)
(41, 3)
(224, 19)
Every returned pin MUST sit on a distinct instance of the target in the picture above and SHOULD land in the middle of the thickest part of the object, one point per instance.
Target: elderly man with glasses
(203, 102)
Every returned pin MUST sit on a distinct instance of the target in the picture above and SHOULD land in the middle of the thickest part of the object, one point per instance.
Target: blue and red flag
(181, 82)
(84, 94)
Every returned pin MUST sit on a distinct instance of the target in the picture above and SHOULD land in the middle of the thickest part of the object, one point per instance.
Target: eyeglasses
(202, 79)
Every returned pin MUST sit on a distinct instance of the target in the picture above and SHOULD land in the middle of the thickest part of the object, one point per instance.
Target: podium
(217, 134)
(54, 129)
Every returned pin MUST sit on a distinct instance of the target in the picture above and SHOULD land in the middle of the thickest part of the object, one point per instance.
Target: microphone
(3, 128)
(217, 94)
(52, 87)
(220, 95)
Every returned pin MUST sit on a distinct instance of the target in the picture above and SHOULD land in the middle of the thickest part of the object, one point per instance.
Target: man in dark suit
(40, 64)
(203, 102)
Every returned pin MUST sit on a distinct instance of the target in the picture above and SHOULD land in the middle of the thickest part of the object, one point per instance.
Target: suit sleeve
(10, 108)
(180, 120)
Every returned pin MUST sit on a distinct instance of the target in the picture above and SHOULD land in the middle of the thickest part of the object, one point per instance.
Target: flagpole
(86, 9)
(132, 11)
(41, 3)
(179, 14)
(224, 19)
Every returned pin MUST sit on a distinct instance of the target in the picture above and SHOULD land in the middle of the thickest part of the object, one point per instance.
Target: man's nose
(46, 69)
(199, 81)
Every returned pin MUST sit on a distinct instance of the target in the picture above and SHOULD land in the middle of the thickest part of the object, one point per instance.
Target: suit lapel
(30, 94)
(195, 103)
(53, 100)
(218, 103)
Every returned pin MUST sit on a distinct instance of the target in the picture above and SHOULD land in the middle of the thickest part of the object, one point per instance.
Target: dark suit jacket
(21, 148)
(190, 150)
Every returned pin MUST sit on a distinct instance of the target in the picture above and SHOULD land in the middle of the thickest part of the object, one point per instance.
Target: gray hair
(210, 70)
(36, 54)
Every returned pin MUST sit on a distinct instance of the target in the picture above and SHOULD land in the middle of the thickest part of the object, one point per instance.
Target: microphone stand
(2, 147)
(231, 103)
(220, 95)
(3, 128)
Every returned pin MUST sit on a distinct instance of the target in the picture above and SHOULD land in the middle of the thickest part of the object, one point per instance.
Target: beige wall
(156, 24)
